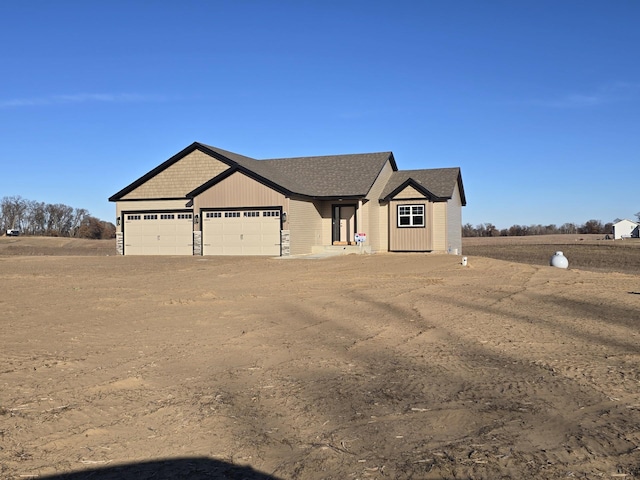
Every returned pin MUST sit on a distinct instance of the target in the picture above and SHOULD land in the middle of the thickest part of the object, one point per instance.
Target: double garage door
(229, 232)
(158, 233)
(241, 232)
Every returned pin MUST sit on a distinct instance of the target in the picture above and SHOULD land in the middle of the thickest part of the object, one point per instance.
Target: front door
(344, 224)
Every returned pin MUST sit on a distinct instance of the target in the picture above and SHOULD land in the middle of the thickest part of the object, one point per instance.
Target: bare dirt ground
(588, 252)
(352, 367)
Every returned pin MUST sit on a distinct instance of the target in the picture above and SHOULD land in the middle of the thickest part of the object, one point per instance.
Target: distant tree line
(489, 230)
(52, 220)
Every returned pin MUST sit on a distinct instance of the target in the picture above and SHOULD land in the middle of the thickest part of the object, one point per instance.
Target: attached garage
(241, 232)
(209, 201)
(158, 233)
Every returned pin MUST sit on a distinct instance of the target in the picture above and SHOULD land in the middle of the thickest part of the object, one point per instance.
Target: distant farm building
(626, 229)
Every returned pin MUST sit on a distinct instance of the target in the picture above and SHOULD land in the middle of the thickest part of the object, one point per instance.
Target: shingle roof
(258, 167)
(439, 182)
(332, 175)
(350, 175)
(320, 176)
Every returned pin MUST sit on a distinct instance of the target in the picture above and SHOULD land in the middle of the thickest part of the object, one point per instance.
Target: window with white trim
(231, 214)
(251, 214)
(213, 215)
(411, 216)
(271, 213)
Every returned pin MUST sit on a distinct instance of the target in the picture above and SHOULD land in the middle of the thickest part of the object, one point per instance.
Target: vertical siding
(375, 215)
(409, 239)
(185, 175)
(454, 221)
(305, 224)
(439, 227)
(238, 191)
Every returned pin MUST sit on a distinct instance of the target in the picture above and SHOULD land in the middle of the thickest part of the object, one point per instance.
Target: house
(208, 201)
(625, 229)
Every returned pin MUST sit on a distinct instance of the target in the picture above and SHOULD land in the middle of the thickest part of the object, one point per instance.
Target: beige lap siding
(438, 227)
(374, 215)
(454, 221)
(306, 225)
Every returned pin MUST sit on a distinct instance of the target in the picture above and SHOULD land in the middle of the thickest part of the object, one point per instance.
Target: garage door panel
(252, 228)
(234, 228)
(158, 233)
(241, 233)
(169, 229)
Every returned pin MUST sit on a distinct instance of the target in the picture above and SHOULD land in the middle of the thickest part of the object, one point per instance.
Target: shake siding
(454, 221)
(305, 225)
(180, 178)
(439, 227)
(238, 191)
(375, 215)
(408, 192)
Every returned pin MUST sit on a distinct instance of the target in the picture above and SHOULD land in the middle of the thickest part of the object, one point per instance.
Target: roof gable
(330, 176)
(323, 176)
(435, 183)
(178, 175)
(626, 221)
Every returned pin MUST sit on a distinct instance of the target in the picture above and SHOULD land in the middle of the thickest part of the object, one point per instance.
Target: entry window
(231, 214)
(410, 215)
(251, 214)
(271, 213)
(213, 215)
(150, 217)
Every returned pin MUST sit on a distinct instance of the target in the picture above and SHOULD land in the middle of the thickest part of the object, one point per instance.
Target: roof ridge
(329, 156)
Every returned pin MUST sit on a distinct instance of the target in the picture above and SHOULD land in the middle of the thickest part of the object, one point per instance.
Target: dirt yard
(395, 366)
(586, 252)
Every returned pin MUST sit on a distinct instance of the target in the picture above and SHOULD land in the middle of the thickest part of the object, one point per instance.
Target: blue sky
(537, 101)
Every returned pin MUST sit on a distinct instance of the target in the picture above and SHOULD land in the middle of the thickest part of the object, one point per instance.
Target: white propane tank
(559, 260)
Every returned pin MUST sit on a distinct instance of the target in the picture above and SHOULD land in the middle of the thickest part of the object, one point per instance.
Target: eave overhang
(410, 182)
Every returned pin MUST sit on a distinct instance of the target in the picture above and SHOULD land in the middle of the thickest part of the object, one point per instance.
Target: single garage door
(241, 232)
(158, 233)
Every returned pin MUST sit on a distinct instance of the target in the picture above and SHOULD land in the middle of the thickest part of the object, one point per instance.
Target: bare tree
(469, 231)
(79, 214)
(592, 226)
(12, 210)
(568, 228)
(96, 229)
(38, 218)
(59, 220)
